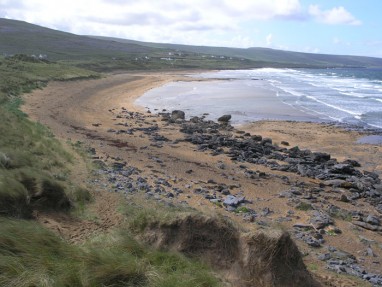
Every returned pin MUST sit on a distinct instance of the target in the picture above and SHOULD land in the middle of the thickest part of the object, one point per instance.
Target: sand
(85, 111)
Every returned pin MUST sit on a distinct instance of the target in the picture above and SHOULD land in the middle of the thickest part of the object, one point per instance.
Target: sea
(351, 96)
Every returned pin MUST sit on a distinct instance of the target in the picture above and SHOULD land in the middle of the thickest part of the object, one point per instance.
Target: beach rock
(233, 201)
(177, 114)
(225, 191)
(342, 262)
(352, 162)
(372, 175)
(221, 165)
(367, 226)
(225, 118)
(320, 219)
(256, 138)
(308, 239)
(320, 157)
(266, 141)
(342, 169)
(371, 219)
(344, 198)
(334, 182)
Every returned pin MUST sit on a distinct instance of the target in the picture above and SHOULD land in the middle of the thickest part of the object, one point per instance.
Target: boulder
(233, 201)
(177, 114)
(224, 118)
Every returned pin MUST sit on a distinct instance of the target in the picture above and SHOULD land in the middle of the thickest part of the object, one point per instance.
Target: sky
(347, 27)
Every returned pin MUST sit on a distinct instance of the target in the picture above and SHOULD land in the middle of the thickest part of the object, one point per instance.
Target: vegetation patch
(304, 206)
(33, 164)
(33, 256)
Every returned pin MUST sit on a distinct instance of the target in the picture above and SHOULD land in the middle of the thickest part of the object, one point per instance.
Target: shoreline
(265, 104)
(184, 94)
(101, 115)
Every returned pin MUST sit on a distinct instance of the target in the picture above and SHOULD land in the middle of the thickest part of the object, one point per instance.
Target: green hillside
(268, 57)
(19, 37)
(104, 53)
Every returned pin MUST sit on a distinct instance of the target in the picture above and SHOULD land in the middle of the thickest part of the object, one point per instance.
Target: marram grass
(30, 255)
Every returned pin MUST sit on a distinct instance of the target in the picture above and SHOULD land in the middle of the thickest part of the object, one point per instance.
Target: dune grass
(33, 164)
(34, 175)
(33, 256)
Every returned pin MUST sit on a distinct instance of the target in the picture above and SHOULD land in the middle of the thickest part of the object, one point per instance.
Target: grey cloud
(12, 5)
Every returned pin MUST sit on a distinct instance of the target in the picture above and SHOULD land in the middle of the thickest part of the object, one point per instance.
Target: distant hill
(105, 53)
(17, 37)
(287, 58)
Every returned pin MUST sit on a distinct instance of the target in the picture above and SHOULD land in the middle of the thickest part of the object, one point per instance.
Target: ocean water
(344, 95)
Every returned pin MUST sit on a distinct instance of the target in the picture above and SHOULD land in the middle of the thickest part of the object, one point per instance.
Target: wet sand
(216, 97)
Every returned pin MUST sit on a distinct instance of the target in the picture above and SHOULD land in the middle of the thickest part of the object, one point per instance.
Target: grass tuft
(31, 159)
(33, 256)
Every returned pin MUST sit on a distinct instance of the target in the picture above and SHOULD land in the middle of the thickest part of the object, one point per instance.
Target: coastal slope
(176, 162)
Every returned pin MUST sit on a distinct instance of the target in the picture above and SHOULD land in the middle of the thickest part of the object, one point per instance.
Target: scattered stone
(233, 201)
(303, 226)
(320, 219)
(344, 198)
(373, 220)
(266, 211)
(369, 252)
(221, 165)
(367, 226)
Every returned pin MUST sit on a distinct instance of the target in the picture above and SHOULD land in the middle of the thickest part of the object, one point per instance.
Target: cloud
(269, 39)
(336, 15)
(200, 22)
(211, 13)
(217, 22)
(264, 9)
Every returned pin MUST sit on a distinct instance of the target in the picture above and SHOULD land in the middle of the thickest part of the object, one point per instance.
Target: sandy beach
(103, 115)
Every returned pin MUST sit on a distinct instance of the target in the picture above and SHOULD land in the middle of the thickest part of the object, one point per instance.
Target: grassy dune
(34, 175)
(33, 164)
(33, 256)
